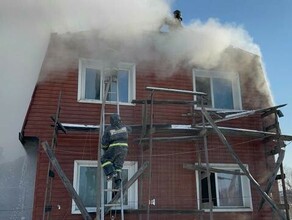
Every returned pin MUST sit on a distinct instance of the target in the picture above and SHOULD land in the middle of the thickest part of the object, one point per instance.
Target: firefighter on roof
(115, 145)
(173, 23)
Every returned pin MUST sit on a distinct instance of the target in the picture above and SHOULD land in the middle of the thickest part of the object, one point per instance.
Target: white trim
(246, 190)
(131, 166)
(233, 76)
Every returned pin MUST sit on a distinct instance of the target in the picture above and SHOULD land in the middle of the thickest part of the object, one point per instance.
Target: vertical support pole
(99, 176)
(284, 192)
(199, 159)
(207, 164)
(122, 200)
(150, 155)
(282, 173)
(48, 190)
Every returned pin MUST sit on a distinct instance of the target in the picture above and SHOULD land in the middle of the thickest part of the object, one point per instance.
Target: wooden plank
(66, 181)
(167, 211)
(127, 186)
(243, 168)
(212, 170)
(175, 90)
(170, 139)
(165, 102)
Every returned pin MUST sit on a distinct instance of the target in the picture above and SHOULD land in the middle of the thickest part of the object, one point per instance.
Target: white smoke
(26, 26)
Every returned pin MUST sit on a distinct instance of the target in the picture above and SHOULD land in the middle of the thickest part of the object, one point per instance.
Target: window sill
(108, 102)
(229, 209)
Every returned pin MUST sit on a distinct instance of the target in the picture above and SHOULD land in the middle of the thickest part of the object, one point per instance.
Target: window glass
(223, 98)
(222, 88)
(123, 79)
(229, 190)
(123, 85)
(92, 73)
(92, 84)
(205, 194)
(85, 184)
(203, 85)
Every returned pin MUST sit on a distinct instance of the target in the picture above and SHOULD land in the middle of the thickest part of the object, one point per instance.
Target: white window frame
(246, 190)
(97, 64)
(131, 166)
(234, 77)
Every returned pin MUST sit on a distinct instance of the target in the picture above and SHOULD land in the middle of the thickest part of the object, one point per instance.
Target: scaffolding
(208, 125)
(203, 123)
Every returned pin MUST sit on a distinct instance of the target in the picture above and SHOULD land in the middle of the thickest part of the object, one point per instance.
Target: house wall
(172, 186)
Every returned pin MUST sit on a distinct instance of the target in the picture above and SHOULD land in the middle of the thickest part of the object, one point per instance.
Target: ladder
(111, 77)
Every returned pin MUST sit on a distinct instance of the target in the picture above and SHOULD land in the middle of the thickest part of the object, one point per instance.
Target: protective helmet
(177, 14)
(115, 120)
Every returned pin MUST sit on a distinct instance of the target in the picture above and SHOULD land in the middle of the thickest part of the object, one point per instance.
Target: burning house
(204, 137)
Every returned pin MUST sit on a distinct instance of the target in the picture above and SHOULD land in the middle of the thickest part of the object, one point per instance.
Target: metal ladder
(111, 77)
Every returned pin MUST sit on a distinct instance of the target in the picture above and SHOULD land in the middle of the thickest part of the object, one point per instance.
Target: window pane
(92, 84)
(203, 85)
(229, 189)
(205, 194)
(223, 97)
(123, 85)
(123, 76)
(87, 186)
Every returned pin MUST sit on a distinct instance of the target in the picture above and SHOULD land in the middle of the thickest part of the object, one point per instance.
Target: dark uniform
(115, 145)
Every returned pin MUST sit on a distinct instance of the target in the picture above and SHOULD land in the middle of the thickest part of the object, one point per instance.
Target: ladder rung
(115, 204)
(110, 113)
(111, 190)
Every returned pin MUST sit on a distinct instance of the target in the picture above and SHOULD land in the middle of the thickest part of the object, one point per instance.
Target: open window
(222, 88)
(230, 192)
(85, 184)
(91, 75)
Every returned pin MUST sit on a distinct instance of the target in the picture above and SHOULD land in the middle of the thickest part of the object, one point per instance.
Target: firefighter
(173, 23)
(115, 145)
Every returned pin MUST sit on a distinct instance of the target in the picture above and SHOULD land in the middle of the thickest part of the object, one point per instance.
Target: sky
(25, 27)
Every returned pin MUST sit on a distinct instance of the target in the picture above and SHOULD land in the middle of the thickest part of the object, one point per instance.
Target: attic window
(223, 89)
(91, 76)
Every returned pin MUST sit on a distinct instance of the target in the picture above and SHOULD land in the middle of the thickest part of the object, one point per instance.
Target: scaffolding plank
(167, 211)
(211, 169)
(165, 102)
(66, 181)
(168, 139)
(184, 127)
(160, 89)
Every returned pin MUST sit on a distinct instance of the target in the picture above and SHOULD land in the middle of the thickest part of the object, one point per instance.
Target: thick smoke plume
(131, 28)
(131, 22)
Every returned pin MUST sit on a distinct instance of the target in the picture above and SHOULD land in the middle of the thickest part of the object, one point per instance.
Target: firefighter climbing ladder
(111, 77)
